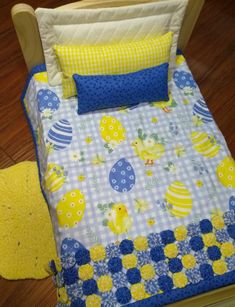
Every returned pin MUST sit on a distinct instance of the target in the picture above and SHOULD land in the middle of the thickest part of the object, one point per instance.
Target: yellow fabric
(110, 59)
(129, 261)
(97, 252)
(86, 272)
(105, 283)
(26, 238)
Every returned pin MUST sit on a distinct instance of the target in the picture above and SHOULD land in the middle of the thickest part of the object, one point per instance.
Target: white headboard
(26, 26)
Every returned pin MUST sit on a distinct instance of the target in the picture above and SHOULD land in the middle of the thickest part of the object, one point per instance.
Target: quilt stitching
(203, 174)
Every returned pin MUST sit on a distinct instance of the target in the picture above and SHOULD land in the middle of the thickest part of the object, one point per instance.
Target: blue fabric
(111, 91)
(162, 299)
(123, 295)
(133, 276)
(126, 247)
(115, 265)
(36, 69)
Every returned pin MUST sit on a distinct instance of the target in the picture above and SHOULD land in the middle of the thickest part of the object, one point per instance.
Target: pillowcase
(106, 26)
(111, 91)
(110, 59)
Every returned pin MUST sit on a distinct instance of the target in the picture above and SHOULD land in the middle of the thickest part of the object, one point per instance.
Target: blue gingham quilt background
(114, 175)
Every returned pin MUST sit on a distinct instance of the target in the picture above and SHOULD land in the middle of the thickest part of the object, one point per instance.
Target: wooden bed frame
(26, 27)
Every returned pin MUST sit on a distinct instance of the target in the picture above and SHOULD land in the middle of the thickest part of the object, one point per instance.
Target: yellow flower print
(141, 205)
(47, 113)
(217, 218)
(62, 295)
(188, 261)
(141, 243)
(219, 267)
(76, 156)
(199, 183)
(138, 292)
(209, 239)
(104, 283)
(129, 261)
(180, 233)
(86, 272)
(179, 150)
(81, 177)
(171, 250)
(98, 160)
(147, 272)
(151, 222)
(186, 101)
(49, 148)
(217, 221)
(149, 172)
(197, 121)
(154, 120)
(180, 280)
(93, 301)
(88, 140)
(227, 249)
(216, 212)
(97, 252)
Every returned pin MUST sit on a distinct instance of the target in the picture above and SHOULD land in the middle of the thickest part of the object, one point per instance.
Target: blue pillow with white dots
(110, 91)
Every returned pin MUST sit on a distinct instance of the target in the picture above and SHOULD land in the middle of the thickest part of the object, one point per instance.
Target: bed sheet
(142, 199)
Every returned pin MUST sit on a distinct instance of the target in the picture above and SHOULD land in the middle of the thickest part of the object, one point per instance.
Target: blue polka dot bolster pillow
(111, 91)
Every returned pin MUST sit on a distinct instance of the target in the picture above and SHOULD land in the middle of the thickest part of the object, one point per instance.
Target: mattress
(142, 199)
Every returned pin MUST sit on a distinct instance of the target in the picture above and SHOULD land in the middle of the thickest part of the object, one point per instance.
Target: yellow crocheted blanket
(26, 236)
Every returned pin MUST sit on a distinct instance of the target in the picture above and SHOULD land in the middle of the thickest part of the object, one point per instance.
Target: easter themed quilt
(142, 199)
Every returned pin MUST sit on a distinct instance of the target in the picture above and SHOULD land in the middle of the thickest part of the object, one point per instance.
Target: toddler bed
(142, 197)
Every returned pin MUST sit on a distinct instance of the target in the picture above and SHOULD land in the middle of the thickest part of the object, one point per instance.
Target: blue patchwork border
(189, 291)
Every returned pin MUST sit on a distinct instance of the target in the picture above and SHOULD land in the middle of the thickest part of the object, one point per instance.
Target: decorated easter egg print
(225, 172)
(205, 144)
(70, 246)
(41, 77)
(232, 203)
(179, 199)
(112, 131)
(184, 79)
(70, 209)
(47, 100)
(60, 135)
(122, 176)
(200, 109)
(54, 177)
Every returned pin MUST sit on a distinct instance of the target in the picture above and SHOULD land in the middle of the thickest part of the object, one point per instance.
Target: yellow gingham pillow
(110, 59)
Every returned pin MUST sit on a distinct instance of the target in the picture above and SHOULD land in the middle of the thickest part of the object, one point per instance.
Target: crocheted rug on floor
(26, 236)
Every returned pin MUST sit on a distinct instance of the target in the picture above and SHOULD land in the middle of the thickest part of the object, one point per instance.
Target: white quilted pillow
(106, 25)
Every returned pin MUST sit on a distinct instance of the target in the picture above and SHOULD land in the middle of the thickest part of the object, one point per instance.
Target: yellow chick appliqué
(117, 218)
(148, 148)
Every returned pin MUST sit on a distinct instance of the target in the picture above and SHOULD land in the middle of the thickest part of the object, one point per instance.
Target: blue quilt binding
(190, 290)
(35, 70)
